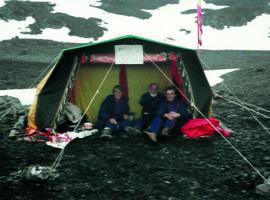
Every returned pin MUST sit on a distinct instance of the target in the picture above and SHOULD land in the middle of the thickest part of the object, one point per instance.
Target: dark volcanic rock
(11, 108)
(134, 8)
(238, 13)
(41, 12)
(18, 56)
(185, 30)
(29, 50)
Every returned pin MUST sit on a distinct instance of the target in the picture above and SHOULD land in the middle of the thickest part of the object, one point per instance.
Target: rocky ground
(128, 167)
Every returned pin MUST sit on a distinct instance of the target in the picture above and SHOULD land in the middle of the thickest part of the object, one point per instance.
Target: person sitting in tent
(150, 102)
(113, 113)
(170, 116)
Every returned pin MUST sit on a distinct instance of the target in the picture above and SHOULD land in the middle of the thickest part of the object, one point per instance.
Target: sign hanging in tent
(128, 54)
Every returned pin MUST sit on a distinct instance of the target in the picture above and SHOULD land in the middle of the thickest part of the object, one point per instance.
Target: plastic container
(87, 126)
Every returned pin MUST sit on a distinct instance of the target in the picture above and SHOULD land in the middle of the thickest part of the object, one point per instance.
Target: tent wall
(33, 109)
(86, 84)
(52, 94)
(201, 90)
(138, 76)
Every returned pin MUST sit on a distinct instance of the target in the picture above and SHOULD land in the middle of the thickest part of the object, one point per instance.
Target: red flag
(199, 22)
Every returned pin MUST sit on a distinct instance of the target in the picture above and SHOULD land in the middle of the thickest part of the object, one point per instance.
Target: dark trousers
(146, 121)
(114, 127)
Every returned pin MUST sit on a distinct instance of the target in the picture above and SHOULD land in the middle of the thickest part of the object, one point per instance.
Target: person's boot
(106, 133)
(152, 136)
(165, 131)
(132, 130)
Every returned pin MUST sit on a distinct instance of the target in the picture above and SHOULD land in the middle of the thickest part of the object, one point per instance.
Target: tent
(91, 70)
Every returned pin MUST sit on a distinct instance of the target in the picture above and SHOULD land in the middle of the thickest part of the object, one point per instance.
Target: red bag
(201, 127)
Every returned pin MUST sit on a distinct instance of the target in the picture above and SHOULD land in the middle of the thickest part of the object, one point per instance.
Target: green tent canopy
(88, 72)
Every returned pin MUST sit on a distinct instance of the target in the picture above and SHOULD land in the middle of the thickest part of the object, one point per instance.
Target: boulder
(13, 115)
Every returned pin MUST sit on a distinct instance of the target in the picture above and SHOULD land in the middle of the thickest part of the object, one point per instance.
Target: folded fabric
(203, 127)
(61, 140)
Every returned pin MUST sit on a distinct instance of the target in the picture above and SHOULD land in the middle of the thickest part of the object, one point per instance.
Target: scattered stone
(266, 158)
(215, 190)
(173, 198)
(195, 185)
(263, 189)
(11, 110)
(57, 188)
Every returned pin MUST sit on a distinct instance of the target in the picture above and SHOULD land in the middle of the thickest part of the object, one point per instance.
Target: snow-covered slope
(174, 23)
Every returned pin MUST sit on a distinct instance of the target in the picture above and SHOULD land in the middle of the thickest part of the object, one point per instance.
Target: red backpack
(201, 127)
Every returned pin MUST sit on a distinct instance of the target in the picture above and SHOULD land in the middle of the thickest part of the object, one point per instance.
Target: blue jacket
(112, 109)
(177, 106)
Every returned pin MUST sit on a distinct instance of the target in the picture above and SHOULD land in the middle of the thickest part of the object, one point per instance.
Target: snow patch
(214, 76)
(26, 96)
(2, 3)
(60, 35)
(14, 28)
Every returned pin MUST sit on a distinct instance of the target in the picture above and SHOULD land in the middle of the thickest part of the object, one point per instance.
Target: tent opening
(138, 77)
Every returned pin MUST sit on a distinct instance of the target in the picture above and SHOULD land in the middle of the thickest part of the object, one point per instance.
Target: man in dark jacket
(171, 115)
(113, 113)
(150, 101)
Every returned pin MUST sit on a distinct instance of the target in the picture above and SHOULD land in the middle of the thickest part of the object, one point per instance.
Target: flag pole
(199, 24)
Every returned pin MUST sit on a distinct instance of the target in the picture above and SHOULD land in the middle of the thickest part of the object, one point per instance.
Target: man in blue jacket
(170, 116)
(150, 101)
(113, 113)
